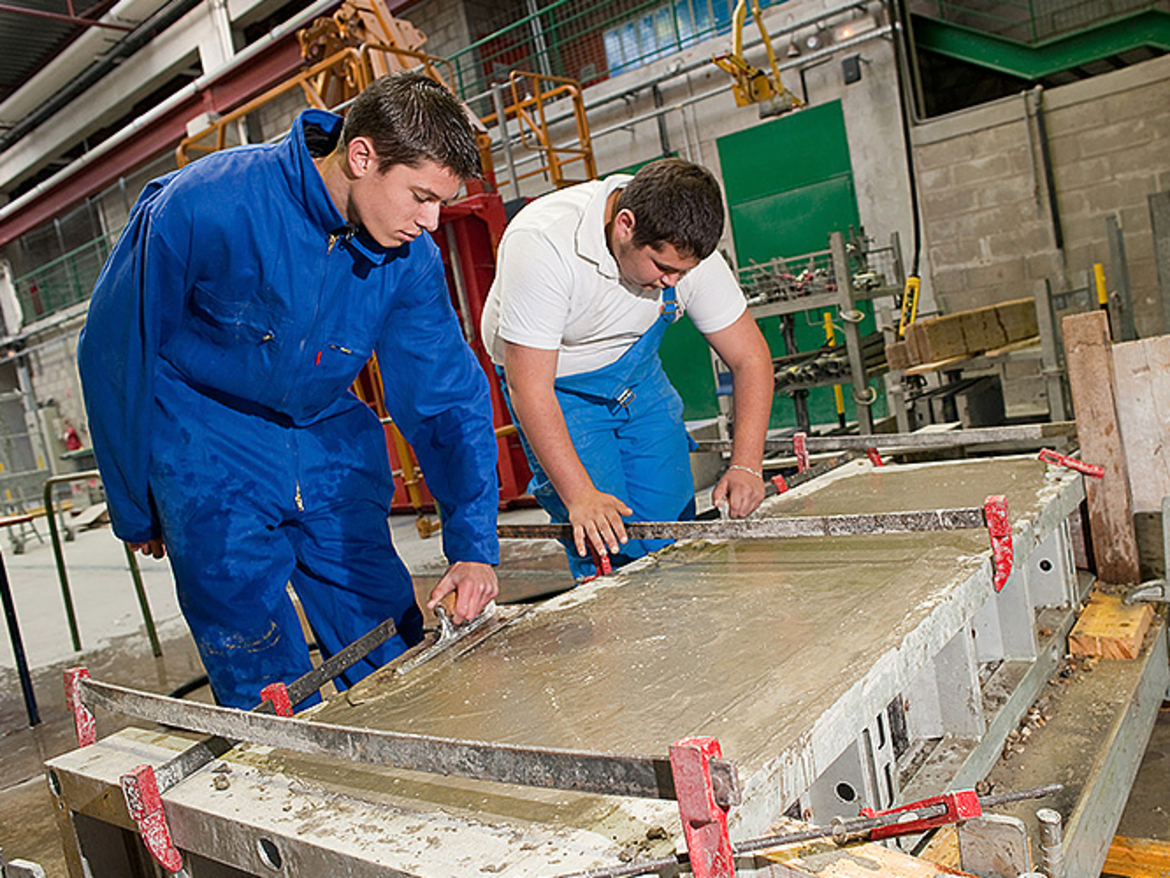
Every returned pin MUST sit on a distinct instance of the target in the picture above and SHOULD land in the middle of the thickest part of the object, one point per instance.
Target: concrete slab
(782, 651)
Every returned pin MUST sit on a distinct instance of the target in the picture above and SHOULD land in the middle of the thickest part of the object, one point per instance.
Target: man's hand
(742, 490)
(474, 584)
(597, 517)
(152, 548)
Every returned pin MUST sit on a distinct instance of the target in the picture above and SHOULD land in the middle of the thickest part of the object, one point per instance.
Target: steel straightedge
(200, 754)
(639, 776)
(772, 528)
(950, 439)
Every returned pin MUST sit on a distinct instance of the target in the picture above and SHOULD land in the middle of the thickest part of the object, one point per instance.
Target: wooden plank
(1138, 858)
(967, 333)
(1142, 377)
(865, 860)
(1110, 629)
(897, 355)
(1090, 374)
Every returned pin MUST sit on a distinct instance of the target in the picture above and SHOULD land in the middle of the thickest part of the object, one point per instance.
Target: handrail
(59, 555)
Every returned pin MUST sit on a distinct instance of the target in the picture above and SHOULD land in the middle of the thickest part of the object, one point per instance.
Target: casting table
(790, 653)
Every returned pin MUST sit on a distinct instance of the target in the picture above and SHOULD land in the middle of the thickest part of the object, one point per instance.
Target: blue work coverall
(223, 334)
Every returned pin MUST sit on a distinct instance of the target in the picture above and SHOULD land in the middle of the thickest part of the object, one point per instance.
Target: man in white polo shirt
(588, 279)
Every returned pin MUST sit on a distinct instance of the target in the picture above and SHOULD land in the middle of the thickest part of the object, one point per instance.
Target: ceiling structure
(33, 32)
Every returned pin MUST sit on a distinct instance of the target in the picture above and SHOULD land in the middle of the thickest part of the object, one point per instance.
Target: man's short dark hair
(675, 202)
(411, 118)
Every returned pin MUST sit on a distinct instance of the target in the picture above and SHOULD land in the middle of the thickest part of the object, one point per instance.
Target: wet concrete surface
(732, 633)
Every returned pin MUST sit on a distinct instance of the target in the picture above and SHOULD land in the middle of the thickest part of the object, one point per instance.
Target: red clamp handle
(1057, 459)
(277, 693)
(874, 457)
(800, 449)
(781, 485)
(83, 719)
(960, 805)
(601, 562)
(995, 512)
(144, 802)
(704, 820)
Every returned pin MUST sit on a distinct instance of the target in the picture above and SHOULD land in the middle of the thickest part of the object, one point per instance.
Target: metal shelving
(848, 272)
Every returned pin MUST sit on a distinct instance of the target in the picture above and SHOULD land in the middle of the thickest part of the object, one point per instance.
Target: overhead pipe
(184, 94)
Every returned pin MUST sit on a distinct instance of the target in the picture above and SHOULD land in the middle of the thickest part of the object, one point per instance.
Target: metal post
(1121, 299)
(26, 688)
(143, 603)
(59, 555)
(505, 137)
(862, 392)
(1051, 843)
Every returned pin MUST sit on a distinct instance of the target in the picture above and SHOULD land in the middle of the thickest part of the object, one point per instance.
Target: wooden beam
(1089, 359)
(1138, 858)
(1142, 378)
(1110, 629)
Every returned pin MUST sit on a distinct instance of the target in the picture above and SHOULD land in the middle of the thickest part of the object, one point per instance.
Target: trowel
(448, 633)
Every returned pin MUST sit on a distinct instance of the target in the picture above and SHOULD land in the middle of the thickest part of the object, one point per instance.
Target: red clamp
(704, 820)
(144, 802)
(600, 562)
(961, 805)
(995, 513)
(1089, 469)
(800, 449)
(781, 485)
(874, 457)
(277, 693)
(83, 720)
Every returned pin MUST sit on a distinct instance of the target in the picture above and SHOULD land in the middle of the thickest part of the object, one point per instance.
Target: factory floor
(116, 648)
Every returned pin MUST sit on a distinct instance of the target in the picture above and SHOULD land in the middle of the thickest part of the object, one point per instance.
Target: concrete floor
(116, 649)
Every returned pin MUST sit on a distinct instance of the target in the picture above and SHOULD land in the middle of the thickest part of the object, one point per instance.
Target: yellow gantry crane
(751, 84)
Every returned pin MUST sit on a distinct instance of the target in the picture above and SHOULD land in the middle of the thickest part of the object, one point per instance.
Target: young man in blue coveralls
(588, 279)
(244, 295)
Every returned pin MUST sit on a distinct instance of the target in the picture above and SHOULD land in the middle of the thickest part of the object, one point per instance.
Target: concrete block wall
(55, 379)
(445, 24)
(987, 223)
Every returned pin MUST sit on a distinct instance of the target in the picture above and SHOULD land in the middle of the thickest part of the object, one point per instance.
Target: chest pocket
(239, 322)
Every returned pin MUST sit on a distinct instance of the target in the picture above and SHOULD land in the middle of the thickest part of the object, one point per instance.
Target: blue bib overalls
(625, 420)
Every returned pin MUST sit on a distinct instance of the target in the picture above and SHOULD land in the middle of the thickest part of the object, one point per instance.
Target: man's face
(648, 267)
(395, 207)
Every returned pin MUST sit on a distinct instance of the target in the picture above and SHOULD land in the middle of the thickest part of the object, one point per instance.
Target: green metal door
(789, 184)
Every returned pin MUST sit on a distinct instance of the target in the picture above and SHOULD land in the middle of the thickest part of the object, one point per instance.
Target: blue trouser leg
(349, 580)
(224, 484)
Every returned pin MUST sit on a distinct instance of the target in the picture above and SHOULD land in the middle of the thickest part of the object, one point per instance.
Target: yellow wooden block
(853, 861)
(1138, 858)
(1109, 628)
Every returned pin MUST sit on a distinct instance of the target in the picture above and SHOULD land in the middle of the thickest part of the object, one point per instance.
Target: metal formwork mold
(789, 653)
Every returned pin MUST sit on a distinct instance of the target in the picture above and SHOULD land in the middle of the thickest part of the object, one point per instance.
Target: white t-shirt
(557, 286)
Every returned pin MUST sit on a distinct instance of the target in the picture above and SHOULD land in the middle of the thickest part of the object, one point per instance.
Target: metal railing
(1033, 21)
(583, 40)
(64, 281)
(59, 555)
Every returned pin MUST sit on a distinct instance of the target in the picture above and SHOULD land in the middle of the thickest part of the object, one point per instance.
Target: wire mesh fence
(581, 39)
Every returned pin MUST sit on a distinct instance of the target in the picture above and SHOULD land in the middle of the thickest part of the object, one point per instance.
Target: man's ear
(623, 224)
(361, 156)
